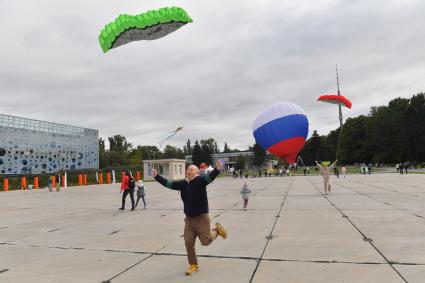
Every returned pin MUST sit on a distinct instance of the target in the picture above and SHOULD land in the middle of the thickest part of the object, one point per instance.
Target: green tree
(102, 161)
(415, 122)
(119, 143)
(312, 149)
(172, 152)
(240, 162)
(353, 141)
(259, 155)
(118, 153)
(187, 149)
(207, 149)
(226, 148)
(196, 154)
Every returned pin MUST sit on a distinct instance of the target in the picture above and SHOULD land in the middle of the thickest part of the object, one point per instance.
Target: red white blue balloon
(282, 130)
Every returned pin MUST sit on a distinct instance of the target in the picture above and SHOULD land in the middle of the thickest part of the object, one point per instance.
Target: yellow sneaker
(220, 230)
(192, 269)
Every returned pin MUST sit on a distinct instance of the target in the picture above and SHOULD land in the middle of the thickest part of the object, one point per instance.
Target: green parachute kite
(150, 25)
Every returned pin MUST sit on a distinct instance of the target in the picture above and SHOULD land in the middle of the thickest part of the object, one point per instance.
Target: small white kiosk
(171, 169)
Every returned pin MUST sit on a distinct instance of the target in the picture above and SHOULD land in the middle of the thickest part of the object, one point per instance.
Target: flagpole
(340, 113)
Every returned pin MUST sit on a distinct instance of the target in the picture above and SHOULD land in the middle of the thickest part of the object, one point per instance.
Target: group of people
(127, 188)
(366, 168)
(402, 166)
(57, 181)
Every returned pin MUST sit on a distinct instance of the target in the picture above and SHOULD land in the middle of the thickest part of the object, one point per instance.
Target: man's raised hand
(154, 173)
(218, 165)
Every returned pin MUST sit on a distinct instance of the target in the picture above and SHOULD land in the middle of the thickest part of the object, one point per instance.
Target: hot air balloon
(282, 130)
(145, 26)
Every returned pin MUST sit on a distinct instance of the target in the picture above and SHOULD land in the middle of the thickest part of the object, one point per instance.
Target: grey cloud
(212, 76)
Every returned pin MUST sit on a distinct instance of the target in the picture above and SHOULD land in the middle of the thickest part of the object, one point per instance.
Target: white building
(30, 146)
(171, 169)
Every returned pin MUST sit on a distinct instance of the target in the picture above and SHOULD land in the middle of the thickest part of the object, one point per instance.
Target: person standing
(49, 183)
(58, 182)
(141, 193)
(126, 189)
(336, 171)
(245, 195)
(326, 173)
(343, 170)
(202, 168)
(193, 192)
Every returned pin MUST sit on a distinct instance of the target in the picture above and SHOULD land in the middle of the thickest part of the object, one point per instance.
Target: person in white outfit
(326, 173)
(343, 170)
(245, 195)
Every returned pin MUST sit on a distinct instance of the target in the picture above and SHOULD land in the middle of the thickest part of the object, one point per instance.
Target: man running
(193, 191)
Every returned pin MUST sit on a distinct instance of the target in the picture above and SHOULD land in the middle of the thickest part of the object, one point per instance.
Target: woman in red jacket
(127, 190)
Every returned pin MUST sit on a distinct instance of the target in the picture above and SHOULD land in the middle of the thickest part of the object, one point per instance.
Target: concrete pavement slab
(318, 235)
(397, 234)
(71, 266)
(164, 269)
(412, 273)
(306, 272)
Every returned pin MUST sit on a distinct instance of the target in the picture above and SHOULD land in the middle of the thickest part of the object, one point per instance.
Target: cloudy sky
(213, 76)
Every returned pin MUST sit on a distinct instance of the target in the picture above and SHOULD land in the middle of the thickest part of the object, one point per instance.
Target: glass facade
(32, 147)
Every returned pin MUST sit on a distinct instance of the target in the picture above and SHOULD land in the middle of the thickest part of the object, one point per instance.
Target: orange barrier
(108, 177)
(6, 184)
(23, 183)
(100, 178)
(63, 181)
(80, 179)
(35, 182)
(137, 175)
(85, 179)
(53, 178)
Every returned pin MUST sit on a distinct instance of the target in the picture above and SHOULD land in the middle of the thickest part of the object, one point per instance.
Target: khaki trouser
(198, 226)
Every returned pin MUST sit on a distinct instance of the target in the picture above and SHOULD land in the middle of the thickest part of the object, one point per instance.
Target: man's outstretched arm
(173, 185)
(214, 173)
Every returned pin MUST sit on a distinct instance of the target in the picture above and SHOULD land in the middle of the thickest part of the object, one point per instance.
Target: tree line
(121, 153)
(388, 134)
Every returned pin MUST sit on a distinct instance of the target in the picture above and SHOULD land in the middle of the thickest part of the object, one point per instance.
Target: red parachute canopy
(336, 99)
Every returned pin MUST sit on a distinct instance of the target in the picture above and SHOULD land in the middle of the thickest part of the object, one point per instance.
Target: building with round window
(30, 146)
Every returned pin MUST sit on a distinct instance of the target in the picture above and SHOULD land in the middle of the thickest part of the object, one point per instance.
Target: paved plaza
(371, 228)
